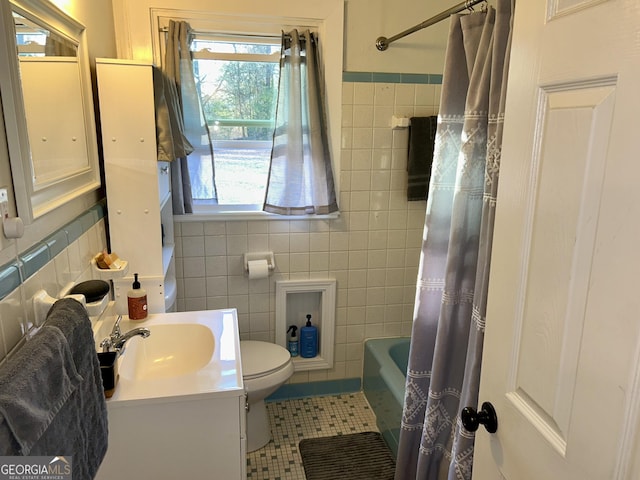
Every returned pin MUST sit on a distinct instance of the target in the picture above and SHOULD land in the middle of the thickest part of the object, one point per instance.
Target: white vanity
(178, 410)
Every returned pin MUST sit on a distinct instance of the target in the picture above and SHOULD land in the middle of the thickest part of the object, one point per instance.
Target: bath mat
(357, 456)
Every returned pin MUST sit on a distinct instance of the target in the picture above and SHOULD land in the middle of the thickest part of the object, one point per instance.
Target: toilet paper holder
(268, 256)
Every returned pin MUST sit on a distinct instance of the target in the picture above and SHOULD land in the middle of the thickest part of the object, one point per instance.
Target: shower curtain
(451, 294)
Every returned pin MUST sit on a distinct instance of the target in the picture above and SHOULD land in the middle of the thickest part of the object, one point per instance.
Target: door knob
(471, 419)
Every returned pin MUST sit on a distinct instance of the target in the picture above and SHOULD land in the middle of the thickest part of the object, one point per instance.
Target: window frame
(243, 26)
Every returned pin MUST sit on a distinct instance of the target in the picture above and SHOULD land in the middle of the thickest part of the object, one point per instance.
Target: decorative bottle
(137, 300)
(292, 341)
(308, 340)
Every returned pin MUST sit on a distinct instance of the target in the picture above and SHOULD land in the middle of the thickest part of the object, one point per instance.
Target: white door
(561, 360)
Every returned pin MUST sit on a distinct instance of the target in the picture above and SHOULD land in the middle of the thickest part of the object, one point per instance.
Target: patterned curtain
(449, 316)
(300, 174)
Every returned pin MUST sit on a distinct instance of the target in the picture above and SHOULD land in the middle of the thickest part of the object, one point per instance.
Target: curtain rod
(382, 43)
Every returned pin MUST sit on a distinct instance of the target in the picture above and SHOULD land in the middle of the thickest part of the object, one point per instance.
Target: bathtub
(383, 382)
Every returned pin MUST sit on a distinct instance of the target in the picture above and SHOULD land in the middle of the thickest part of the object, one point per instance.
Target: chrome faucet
(116, 339)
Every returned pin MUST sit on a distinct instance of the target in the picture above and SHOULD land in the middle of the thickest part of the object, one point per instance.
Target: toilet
(265, 367)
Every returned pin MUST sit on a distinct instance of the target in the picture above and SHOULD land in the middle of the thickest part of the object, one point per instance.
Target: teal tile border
(383, 77)
(30, 261)
(315, 389)
(56, 242)
(9, 279)
(34, 259)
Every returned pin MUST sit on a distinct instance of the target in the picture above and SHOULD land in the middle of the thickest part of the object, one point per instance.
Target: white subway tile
(299, 242)
(361, 159)
(319, 242)
(357, 259)
(299, 262)
(215, 265)
(216, 286)
(237, 228)
(357, 278)
(347, 93)
(259, 303)
(213, 245)
(237, 244)
(382, 116)
(239, 302)
(363, 93)
(382, 138)
(216, 303)
(193, 267)
(237, 284)
(319, 262)
(192, 229)
(361, 181)
(338, 241)
(395, 257)
(347, 116)
(376, 258)
(338, 260)
(235, 265)
(195, 287)
(213, 228)
(384, 93)
(380, 180)
(257, 242)
(363, 137)
(279, 242)
(356, 297)
(363, 116)
(358, 240)
(381, 159)
(375, 295)
(405, 94)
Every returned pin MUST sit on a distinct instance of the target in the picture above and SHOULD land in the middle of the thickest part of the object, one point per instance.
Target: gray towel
(422, 136)
(51, 397)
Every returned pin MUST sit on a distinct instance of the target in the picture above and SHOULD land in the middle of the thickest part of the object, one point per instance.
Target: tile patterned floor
(293, 420)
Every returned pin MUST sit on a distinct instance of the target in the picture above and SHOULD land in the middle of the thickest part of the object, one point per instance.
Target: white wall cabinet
(138, 186)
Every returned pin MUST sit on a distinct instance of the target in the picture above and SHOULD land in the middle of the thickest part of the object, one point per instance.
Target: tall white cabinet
(138, 186)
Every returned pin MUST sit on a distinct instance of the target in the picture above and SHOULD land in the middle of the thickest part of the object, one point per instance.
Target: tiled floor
(293, 420)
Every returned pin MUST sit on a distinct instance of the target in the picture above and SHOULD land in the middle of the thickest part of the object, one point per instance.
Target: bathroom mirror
(48, 106)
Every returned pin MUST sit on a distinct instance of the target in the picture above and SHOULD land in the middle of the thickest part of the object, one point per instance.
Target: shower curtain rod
(382, 43)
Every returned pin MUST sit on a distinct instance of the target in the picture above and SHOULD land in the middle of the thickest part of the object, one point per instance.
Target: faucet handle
(115, 333)
(106, 344)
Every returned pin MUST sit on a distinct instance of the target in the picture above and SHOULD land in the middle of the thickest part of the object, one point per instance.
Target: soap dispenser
(308, 340)
(137, 300)
(292, 343)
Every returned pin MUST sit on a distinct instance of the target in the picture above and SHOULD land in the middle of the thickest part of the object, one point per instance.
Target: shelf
(304, 364)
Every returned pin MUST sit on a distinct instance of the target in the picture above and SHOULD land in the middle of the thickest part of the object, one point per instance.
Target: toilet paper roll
(258, 269)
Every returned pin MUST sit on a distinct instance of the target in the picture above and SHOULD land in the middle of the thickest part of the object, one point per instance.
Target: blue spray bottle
(308, 340)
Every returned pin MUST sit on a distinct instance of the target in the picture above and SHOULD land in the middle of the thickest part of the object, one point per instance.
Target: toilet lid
(262, 358)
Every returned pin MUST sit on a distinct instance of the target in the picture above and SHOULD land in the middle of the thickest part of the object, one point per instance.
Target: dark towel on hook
(51, 395)
(422, 136)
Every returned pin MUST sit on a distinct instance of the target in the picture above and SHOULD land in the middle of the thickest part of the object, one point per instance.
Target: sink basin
(172, 350)
(187, 354)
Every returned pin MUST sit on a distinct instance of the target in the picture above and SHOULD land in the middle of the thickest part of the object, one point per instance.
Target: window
(238, 82)
(238, 25)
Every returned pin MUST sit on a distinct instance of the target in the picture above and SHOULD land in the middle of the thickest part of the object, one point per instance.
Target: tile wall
(59, 259)
(372, 250)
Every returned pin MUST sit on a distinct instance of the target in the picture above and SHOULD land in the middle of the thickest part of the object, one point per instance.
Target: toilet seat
(262, 358)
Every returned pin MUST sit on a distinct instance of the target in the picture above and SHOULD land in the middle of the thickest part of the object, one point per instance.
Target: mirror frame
(32, 202)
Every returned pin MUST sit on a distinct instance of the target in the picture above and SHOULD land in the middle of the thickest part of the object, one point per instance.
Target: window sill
(247, 216)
